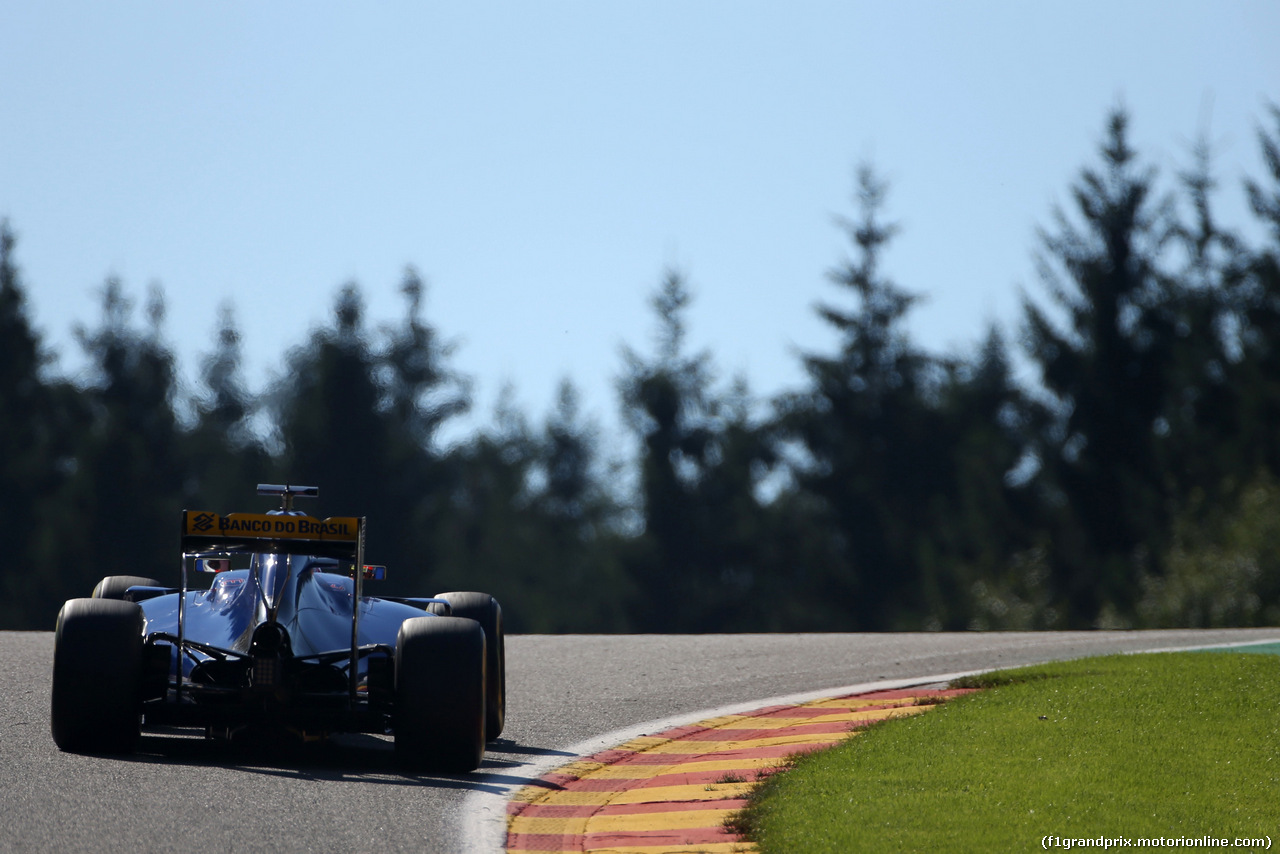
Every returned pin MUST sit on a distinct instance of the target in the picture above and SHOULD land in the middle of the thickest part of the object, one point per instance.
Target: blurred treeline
(1133, 481)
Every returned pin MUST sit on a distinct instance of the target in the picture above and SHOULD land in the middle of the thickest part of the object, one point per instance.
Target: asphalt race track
(566, 694)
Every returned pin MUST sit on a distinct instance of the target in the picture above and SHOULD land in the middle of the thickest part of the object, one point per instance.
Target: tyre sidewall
(97, 676)
(486, 611)
(439, 713)
(114, 586)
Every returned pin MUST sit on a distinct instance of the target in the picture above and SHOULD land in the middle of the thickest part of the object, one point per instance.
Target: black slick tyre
(97, 676)
(439, 701)
(114, 586)
(486, 611)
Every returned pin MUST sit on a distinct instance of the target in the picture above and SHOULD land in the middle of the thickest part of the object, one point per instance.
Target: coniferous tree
(1108, 371)
(1258, 302)
(361, 423)
(896, 489)
(695, 572)
(740, 520)
(331, 432)
(868, 431)
(226, 457)
(985, 553)
(128, 467)
(528, 522)
(1198, 435)
(1222, 565)
(666, 404)
(579, 523)
(484, 537)
(327, 412)
(22, 406)
(419, 394)
(36, 415)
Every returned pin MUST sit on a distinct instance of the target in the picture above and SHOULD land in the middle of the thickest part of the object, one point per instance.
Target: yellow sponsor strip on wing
(264, 526)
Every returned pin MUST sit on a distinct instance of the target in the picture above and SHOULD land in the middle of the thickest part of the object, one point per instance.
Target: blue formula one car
(288, 644)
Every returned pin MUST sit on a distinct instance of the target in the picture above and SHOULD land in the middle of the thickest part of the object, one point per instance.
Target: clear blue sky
(542, 163)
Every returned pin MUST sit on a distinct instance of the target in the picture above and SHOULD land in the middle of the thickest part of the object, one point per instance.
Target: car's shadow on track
(346, 758)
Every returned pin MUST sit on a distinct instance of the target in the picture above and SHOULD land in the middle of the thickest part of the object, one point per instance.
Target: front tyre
(486, 611)
(114, 586)
(97, 676)
(439, 713)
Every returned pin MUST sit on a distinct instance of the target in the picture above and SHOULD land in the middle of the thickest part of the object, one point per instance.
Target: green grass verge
(1168, 744)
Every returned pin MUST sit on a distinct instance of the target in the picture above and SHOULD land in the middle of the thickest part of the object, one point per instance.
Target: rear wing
(205, 533)
(281, 532)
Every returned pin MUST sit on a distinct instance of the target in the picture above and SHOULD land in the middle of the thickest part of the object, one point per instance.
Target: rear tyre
(114, 586)
(97, 676)
(486, 611)
(439, 707)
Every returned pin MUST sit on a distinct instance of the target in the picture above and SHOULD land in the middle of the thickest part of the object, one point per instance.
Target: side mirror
(213, 564)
